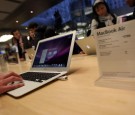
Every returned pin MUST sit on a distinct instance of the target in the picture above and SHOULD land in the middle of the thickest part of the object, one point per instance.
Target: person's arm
(94, 25)
(5, 79)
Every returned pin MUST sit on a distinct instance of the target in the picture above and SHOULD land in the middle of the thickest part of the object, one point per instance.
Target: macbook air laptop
(87, 45)
(52, 60)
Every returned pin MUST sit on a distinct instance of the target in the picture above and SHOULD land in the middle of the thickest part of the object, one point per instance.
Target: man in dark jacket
(21, 42)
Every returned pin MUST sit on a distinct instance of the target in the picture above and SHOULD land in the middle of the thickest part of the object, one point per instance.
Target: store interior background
(76, 14)
(69, 14)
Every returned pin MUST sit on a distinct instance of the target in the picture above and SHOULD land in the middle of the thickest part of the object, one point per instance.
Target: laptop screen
(53, 53)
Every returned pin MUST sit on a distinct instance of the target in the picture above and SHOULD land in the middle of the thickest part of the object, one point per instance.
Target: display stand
(116, 55)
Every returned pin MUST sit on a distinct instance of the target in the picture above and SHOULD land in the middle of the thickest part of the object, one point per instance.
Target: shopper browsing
(102, 16)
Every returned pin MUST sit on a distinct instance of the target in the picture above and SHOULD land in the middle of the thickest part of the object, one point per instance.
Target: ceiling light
(31, 12)
(17, 21)
(5, 38)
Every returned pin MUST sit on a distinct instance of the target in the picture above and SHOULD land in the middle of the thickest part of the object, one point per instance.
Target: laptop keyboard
(37, 76)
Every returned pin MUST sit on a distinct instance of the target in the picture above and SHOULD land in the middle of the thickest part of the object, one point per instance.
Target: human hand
(6, 79)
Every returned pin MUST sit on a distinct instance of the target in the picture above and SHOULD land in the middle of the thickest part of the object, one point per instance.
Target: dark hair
(49, 32)
(14, 30)
(32, 25)
(96, 5)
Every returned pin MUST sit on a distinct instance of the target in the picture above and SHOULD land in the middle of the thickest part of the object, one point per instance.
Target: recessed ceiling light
(31, 12)
(17, 21)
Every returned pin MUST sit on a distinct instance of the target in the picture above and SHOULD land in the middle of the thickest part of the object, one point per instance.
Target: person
(58, 20)
(8, 49)
(32, 38)
(14, 48)
(50, 32)
(102, 16)
(9, 52)
(36, 32)
(21, 42)
(32, 33)
(131, 3)
(6, 81)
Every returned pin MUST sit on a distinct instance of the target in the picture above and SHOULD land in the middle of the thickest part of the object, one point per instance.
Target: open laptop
(87, 45)
(52, 60)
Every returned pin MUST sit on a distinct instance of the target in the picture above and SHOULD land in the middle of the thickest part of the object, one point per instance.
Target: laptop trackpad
(29, 86)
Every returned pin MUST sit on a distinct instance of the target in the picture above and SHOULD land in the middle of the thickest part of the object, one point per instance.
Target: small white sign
(116, 50)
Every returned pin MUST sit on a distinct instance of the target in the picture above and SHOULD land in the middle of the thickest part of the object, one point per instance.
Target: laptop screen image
(53, 53)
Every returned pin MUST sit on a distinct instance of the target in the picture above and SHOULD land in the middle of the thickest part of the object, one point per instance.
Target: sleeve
(94, 25)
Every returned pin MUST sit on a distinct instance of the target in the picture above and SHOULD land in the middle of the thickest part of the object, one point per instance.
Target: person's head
(31, 34)
(32, 26)
(131, 3)
(16, 33)
(100, 8)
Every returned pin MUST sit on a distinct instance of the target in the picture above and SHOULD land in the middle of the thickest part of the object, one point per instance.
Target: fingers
(11, 79)
(6, 81)
(11, 74)
(11, 87)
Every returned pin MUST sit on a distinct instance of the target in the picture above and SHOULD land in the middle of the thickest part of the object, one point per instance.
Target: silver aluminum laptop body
(87, 45)
(52, 55)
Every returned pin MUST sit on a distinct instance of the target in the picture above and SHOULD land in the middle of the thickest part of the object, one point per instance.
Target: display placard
(116, 52)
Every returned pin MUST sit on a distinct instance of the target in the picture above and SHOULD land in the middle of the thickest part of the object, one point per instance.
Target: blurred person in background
(36, 32)
(21, 42)
(50, 32)
(102, 16)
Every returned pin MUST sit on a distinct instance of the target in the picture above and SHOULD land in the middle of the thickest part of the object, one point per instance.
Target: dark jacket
(26, 45)
(102, 24)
